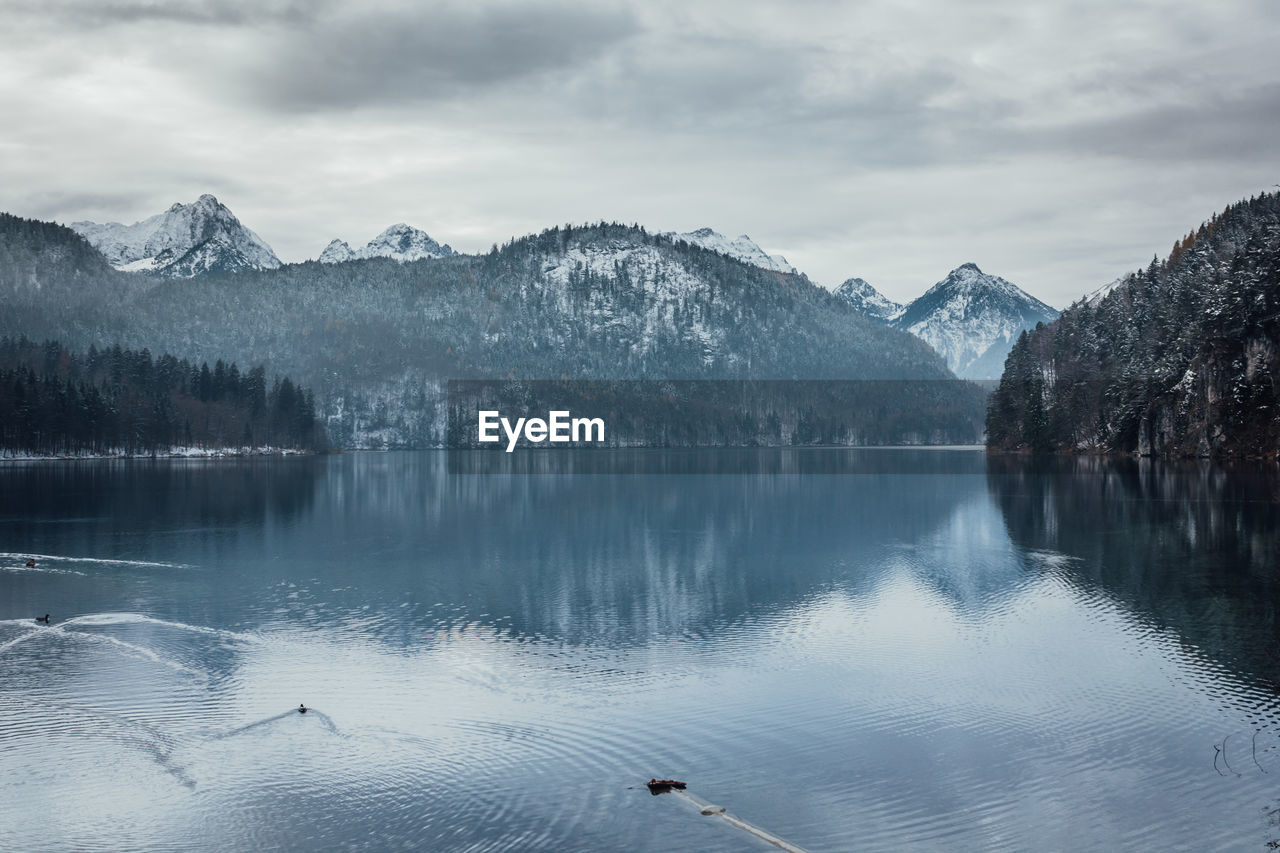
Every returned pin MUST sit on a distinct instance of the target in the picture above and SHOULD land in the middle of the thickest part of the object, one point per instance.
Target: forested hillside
(122, 401)
(377, 339)
(1180, 358)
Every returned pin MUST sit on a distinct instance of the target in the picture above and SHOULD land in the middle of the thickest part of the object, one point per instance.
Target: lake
(876, 650)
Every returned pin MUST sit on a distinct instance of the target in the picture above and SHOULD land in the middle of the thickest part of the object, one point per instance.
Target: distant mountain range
(206, 237)
(1177, 358)
(970, 317)
(400, 242)
(377, 339)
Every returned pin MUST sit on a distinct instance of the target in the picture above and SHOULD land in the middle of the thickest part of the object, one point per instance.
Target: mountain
(184, 241)
(867, 300)
(378, 340)
(51, 276)
(972, 319)
(337, 252)
(1093, 297)
(743, 248)
(1179, 359)
(400, 242)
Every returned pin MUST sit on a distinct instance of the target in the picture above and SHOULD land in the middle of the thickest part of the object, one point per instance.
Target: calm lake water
(927, 650)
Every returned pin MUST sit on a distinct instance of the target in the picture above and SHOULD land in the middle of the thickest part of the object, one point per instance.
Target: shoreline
(257, 452)
(172, 453)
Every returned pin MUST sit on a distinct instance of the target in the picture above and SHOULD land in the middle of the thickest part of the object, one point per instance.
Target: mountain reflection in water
(854, 649)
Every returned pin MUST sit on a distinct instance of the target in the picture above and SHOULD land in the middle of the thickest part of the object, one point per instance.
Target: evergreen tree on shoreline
(53, 402)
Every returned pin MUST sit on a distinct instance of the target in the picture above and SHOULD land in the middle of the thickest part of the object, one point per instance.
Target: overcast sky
(1056, 144)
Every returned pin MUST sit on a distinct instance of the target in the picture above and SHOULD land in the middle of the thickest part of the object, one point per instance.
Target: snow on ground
(742, 247)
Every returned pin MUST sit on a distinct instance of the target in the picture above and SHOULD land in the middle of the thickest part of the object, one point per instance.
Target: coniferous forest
(378, 339)
(125, 401)
(1179, 359)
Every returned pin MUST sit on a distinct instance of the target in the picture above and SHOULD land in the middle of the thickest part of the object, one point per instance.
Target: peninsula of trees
(121, 401)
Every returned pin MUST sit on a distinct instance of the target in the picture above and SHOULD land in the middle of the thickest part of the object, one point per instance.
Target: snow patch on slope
(668, 284)
(743, 248)
(1096, 296)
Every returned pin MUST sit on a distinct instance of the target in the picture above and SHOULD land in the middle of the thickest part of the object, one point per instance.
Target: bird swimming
(43, 619)
(302, 709)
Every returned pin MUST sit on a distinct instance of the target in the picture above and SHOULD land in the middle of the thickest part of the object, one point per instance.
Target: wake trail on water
(40, 570)
(159, 746)
(33, 631)
(712, 810)
(141, 651)
(97, 560)
(60, 630)
(99, 619)
(144, 737)
(103, 619)
(320, 715)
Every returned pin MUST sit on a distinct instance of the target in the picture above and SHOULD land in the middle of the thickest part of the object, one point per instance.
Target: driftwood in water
(661, 786)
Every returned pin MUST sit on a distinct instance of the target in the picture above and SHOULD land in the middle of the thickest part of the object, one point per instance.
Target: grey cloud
(755, 95)
(880, 139)
(54, 204)
(1207, 126)
(96, 14)
(423, 54)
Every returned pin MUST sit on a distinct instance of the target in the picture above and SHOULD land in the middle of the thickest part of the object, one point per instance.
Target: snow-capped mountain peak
(969, 279)
(742, 247)
(972, 319)
(336, 252)
(865, 298)
(185, 240)
(405, 243)
(399, 242)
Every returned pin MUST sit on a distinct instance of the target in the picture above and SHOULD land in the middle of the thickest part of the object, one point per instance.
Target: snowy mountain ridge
(970, 318)
(604, 302)
(400, 242)
(184, 241)
(742, 248)
(1093, 297)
